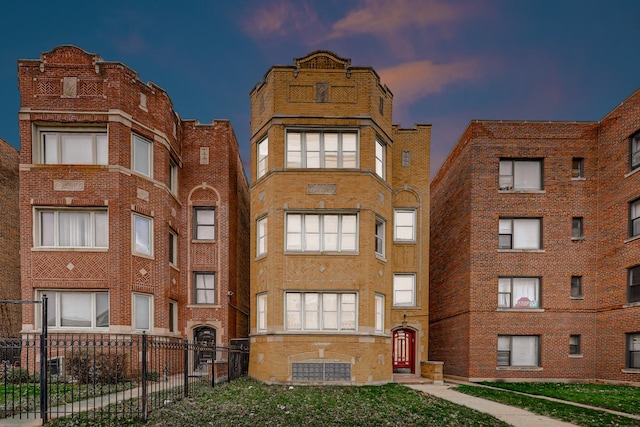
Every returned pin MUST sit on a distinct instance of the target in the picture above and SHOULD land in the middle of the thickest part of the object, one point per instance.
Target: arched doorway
(205, 339)
(403, 352)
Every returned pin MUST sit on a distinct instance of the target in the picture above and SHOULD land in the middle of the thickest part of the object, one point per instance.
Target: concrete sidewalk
(515, 416)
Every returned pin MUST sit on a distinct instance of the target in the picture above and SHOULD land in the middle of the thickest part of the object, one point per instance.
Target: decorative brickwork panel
(48, 87)
(142, 273)
(344, 94)
(69, 265)
(300, 93)
(338, 270)
(204, 254)
(90, 88)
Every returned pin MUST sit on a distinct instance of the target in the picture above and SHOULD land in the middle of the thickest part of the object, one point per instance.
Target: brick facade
(324, 94)
(69, 91)
(10, 314)
(466, 262)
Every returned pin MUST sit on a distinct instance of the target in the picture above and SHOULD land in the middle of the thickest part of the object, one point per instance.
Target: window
(520, 175)
(173, 248)
(261, 237)
(316, 311)
(633, 351)
(74, 147)
(379, 237)
(404, 289)
(380, 159)
(576, 228)
(262, 312)
(173, 316)
(142, 155)
(173, 176)
(576, 287)
(204, 223)
(72, 228)
(577, 168)
(142, 235)
(634, 284)
(142, 314)
(322, 232)
(322, 149)
(635, 151)
(204, 288)
(518, 350)
(634, 218)
(71, 309)
(263, 155)
(379, 302)
(404, 225)
(519, 292)
(574, 344)
(519, 233)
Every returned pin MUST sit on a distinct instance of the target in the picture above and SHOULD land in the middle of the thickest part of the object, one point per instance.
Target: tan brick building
(133, 220)
(339, 228)
(10, 314)
(535, 250)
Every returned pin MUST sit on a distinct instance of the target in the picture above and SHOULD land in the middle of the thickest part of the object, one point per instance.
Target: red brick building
(10, 314)
(133, 220)
(535, 250)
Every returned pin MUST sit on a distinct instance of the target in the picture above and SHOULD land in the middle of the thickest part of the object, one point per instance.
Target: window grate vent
(321, 372)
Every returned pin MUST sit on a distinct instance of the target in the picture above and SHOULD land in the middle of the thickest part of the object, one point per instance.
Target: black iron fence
(107, 376)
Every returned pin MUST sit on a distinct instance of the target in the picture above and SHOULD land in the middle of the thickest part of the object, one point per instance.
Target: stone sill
(519, 368)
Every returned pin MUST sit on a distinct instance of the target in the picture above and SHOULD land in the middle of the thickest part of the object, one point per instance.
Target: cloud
(280, 18)
(414, 80)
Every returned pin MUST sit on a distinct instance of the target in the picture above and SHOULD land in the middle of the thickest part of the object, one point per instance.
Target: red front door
(403, 351)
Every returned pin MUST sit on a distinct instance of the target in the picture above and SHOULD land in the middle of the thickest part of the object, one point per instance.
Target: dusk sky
(446, 62)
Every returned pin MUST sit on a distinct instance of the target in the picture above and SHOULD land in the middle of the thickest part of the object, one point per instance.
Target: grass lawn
(562, 411)
(619, 398)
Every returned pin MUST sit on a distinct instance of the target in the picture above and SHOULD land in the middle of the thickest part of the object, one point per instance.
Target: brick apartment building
(535, 250)
(10, 314)
(339, 228)
(133, 220)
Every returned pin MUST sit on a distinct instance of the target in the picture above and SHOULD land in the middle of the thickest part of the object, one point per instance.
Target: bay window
(72, 228)
(321, 311)
(322, 149)
(380, 159)
(142, 312)
(519, 292)
(321, 232)
(73, 146)
(142, 235)
(379, 313)
(262, 156)
(142, 155)
(76, 309)
(262, 312)
(261, 236)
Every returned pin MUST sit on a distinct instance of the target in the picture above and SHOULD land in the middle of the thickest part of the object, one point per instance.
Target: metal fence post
(186, 367)
(213, 366)
(43, 363)
(144, 377)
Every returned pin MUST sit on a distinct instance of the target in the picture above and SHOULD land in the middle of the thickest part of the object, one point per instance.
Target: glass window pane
(74, 228)
(526, 234)
(504, 226)
(102, 310)
(102, 149)
(142, 156)
(76, 149)
(47, 232)
(51, 307)
(75, 309)
(50, 142)
(525, 292)
(506, 167)
(142, 311)
(527, 175)
(101, 229)
(524, 351)
(142, 235)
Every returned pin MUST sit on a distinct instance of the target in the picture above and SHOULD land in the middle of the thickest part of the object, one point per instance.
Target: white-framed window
(577, 232)
(380, 224)
(142, 155)
(576, 286)
(519, 350)
(404, 221)
(204, 223)
(634, 151)
(142, 234)
(322, 149)
(379, 312)
(71, 228)
(519, 233)
(321, 311)
(76, 309)
(634, 284)
(73, 146)
(173, 176)
(142, 312)
(173, 316)
(173, 248)
(577, 168)
(634, 218)
(204, 288)
(321, 232)
(520, 175)
(574, 345)
(633, 351)
(262, 312)
(519, 292)
(380, 159)
(404, 289)
(261, 236)
(263, 157)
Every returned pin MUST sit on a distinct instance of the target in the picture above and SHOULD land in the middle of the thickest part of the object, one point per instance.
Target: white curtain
(294, 150)
(330, 311)
(525, 291)
(312, 232)
(294, 232)
(330, 232)
(74, 228)
(330, 150)
(526, 234)
(349, 150)
(294, 310)
(312, 145)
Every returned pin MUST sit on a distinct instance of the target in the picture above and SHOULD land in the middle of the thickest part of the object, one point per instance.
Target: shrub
(13, 375)
(96, 367)
(152, 376)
